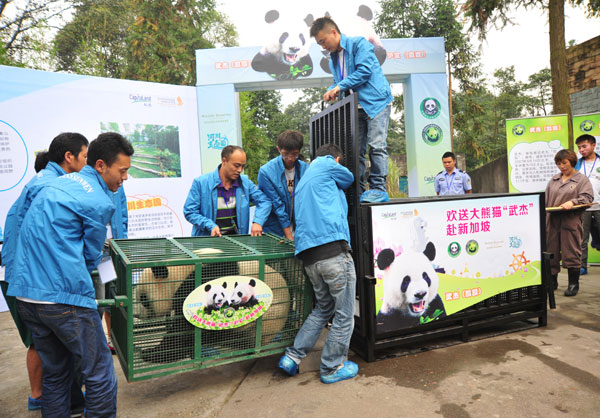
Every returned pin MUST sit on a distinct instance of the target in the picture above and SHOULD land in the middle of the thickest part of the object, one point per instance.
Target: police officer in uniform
(451, 180)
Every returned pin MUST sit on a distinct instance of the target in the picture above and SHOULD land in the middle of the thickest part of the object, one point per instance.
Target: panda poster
(433, 259)
(531, 145)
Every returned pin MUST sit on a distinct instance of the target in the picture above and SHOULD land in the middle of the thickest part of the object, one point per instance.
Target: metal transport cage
(155, 276)
(523, 305)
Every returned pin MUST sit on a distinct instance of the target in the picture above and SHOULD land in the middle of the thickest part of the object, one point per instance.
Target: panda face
(410, 282)
(242, 293)
(215, 295)
(291, 45)
(290, 39)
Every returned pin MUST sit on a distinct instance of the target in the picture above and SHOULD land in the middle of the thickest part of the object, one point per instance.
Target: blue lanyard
(341, 66)
(451, 180)
(591, 170)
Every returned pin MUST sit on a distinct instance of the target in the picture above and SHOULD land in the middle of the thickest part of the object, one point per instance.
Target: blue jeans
(373, 132)
(334, 284)
(65, 335)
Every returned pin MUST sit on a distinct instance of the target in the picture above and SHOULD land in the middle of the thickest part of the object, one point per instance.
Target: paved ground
(541, 372)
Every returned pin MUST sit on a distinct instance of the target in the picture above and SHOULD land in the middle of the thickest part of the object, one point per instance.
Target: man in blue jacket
(589, 165)
(219, 202)
(59, 244)
(277, 180)
(355, 69)
(323, 244)
(67, 154)
(119, 225)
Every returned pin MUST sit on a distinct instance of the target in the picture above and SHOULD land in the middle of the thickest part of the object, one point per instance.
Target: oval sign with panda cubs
(227, 302)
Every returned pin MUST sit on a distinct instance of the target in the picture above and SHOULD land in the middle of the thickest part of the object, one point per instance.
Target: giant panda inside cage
(155, 276)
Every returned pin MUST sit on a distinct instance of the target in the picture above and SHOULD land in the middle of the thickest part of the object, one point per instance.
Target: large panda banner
(436, 258)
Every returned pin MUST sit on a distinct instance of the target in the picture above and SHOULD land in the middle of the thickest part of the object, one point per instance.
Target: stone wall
(491, 178)
(584, 76)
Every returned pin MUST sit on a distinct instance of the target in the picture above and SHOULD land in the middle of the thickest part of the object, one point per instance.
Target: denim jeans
(65, 335)
(334, 284)
(373, 132)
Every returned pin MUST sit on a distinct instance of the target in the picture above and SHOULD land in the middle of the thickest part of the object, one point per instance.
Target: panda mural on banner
(356, 25)
(160, 292)
(410, 285)
(285, 56)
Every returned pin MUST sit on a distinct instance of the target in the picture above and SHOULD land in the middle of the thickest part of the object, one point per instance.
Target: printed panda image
(216, 297)
(410, 286)
(285, 56)
(243, 295)
(358, 25)
(160, 293)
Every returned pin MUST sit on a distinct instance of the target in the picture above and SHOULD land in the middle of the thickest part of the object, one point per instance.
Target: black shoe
(572, 290)
(77, 411)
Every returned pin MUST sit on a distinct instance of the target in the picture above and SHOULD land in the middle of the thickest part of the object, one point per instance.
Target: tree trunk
(450, 105)
(558, 63)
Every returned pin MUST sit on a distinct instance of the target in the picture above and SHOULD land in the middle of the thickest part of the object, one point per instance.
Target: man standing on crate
(356, 69)
(322, 243)
(277, 179)
(219, 202)
(60, 243)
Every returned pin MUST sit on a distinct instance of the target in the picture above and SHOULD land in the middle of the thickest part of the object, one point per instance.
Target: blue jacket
(200, 207)
(320, 204)
(14, 218)
(272, 182)
(61, 240)
(580, 161)
(364, 75)
(120, 220)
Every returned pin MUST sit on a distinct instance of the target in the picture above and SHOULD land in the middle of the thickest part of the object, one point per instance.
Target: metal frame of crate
(149, 271)
(338, 124)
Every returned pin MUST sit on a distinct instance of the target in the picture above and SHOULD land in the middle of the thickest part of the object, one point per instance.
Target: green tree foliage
(254, 139)
(23, 29)
(141, 39)
(539, 87)
(94, 41)
(431, 18)
(483, 13)
(480, 116)
(162, 41)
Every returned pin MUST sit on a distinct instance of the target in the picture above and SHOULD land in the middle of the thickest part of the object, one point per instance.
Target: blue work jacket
(320, 204)
(272, 182)
(16, 213)
(363, 75)
(61, 240)
(200, 207)
(120, 220)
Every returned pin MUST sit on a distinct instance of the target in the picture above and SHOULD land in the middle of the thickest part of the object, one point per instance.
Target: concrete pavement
(540, 372)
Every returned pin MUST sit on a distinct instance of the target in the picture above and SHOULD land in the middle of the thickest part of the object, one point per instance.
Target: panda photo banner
(254, 68)
(228, 302)
(434, 259)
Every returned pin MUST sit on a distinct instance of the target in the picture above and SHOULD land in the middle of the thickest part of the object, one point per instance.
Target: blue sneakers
(582, 271)
(374, 196)
(288, 365)
(34, 404)
(348, 370)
